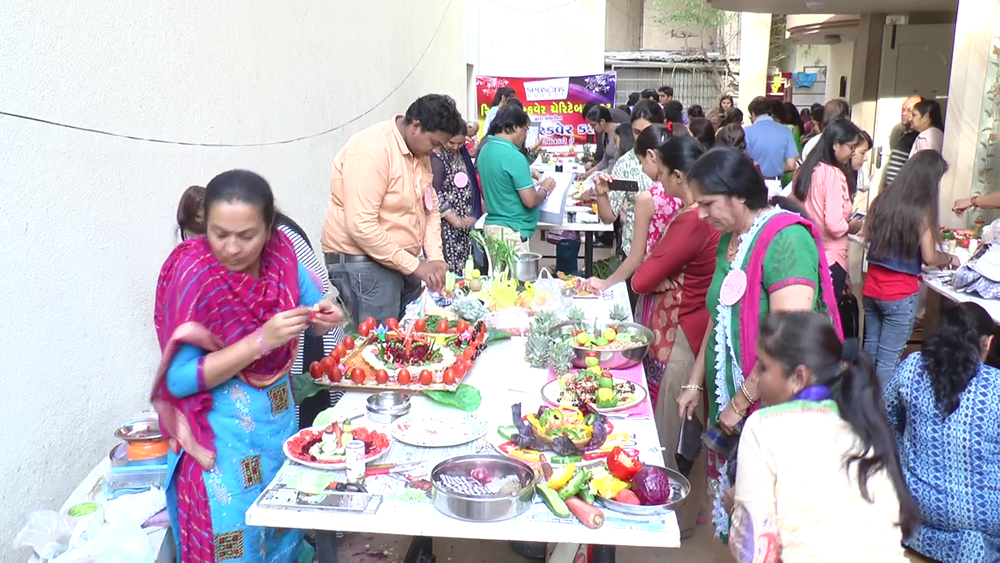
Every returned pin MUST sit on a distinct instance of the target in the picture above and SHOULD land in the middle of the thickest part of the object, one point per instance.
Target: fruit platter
(568, 434)
(595, 387)
(577, 287)
(621, 483)
(388, 358)
(326, 447)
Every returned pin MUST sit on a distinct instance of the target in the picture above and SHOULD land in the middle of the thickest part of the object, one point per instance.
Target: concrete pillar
(755, 41)
(972, 123)
(863, 83)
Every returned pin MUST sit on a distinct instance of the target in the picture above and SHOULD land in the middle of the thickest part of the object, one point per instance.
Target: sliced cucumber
(556, 505)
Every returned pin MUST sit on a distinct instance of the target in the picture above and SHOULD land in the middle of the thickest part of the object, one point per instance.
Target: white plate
(438, 430)
(551, 390)
(325, 465)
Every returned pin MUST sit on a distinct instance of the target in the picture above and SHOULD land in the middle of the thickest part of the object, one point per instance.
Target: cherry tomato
(393, 324)
(340, 350)
(426, 377)
(348, 342)
(469, 352)
(420, 325)
(336, 374)
(315, 370)
(364, 329)
(480, 338)
(461, 327)
(403, 377)
(458, 368)
(381, 377)
(448, 377)
(358, 375)
(371, 322)
(336, 357)
(442, 326)
(326, 365)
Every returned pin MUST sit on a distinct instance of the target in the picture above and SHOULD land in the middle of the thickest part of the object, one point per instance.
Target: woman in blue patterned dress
(943, 406)
(230, 307)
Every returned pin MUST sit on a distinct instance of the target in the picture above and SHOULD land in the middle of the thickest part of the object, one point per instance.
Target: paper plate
(438, 430)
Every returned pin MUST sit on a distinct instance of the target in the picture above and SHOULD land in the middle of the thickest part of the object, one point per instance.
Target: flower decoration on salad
(380, 333)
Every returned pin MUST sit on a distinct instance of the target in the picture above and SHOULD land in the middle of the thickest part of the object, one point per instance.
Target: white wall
(88, 219)
(541, 38)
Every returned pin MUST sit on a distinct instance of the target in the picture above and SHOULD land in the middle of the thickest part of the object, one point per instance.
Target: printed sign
(555, 104)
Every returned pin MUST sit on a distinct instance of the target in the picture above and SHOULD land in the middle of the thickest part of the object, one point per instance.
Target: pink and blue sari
(225, 442)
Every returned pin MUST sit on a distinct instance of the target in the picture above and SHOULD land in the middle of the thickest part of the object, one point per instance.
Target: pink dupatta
(202, 303)
(750, 310)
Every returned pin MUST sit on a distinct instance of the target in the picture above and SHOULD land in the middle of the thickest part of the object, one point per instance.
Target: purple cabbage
(600, 433)
(563, 446)
(525, 437)
(652, 485)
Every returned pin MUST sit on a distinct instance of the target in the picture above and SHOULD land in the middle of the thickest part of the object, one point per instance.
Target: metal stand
(421, 551)
(604, 553)
(588, 253)
(326, 547)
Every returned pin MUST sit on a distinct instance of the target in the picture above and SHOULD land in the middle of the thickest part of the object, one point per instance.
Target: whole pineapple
(536, 349)
(620, 313)
(560, 357)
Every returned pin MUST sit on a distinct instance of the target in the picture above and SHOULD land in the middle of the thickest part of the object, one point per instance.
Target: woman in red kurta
(673, 282)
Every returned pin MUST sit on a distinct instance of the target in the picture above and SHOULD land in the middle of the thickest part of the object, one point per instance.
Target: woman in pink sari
(230, 306)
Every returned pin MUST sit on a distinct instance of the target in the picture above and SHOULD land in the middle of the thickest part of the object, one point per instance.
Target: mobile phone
(624, 186)
(859, 215)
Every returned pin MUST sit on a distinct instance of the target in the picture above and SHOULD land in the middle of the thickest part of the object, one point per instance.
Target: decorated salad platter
(386, 357)
(438, 430)
(595, 387)
(562, 434)
(322, 447)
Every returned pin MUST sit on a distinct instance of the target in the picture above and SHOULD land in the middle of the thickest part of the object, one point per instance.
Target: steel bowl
(140, 431)
(387, 406)
(492, 508)
(680, 488)
(526, 266)
(607, 359)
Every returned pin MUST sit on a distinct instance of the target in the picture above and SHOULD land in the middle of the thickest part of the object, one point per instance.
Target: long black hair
(650, 111)
(243, 186)
(808, 339)
(899, 214)
(932, 109)
(841, 132)
(729, 172)
(505, 92)
(625, 138)
(731, 135)
(674, 111)
(794, 118)
(951, 356)
(680, 153)
(734, 115)
(702, 130)
(652, 138)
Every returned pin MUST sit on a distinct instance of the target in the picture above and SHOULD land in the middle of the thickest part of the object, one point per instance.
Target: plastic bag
(549, 296)
(47, 533)
(95, 541)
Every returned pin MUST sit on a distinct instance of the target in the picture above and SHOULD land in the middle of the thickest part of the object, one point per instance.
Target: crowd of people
(735, 252)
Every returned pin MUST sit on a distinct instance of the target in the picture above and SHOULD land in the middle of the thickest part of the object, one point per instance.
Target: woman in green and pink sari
(769, 258)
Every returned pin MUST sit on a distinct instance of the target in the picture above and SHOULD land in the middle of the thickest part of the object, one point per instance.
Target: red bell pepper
(624, 464)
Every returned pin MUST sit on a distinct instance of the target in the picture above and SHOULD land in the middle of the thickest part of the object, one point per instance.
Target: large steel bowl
(493, 508)
(680, 488)
(607, 359)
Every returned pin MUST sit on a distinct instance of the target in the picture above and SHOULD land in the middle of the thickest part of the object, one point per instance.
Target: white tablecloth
(503, 378)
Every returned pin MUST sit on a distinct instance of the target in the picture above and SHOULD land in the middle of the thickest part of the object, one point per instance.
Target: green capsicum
(580, 479)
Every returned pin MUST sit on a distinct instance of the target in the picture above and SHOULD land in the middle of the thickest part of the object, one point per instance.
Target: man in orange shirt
(383, 211)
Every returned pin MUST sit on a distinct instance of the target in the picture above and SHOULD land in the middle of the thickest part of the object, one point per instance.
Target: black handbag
(850, 315)
(689, 445)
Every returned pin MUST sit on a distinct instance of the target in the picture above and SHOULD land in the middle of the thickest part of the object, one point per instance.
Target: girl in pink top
(821, 184)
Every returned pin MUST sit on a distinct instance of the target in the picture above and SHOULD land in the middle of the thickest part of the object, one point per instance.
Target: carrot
(591, 516)
(546, 466)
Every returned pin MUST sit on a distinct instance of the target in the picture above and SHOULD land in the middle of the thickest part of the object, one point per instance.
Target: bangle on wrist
(690, 387)
(746, 394)
(974, 201)
(736, 410)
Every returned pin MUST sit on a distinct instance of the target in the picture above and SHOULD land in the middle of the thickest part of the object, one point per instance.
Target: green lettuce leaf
(304, 386)
(466, 397)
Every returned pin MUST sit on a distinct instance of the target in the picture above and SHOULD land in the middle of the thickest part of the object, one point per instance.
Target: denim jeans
(369, 289)
(567, 256)
(888, 325)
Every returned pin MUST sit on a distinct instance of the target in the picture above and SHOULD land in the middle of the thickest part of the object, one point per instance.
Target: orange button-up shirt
(382, 201)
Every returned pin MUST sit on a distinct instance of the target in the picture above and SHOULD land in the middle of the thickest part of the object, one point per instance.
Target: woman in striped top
(190, 222)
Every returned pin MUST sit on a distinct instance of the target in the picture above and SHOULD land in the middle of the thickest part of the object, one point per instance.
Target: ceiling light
(815, 5)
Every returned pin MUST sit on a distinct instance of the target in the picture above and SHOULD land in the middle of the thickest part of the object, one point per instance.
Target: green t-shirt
(503, 171)
(792, 259)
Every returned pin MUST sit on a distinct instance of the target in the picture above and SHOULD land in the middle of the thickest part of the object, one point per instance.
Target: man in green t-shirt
(512, 199)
